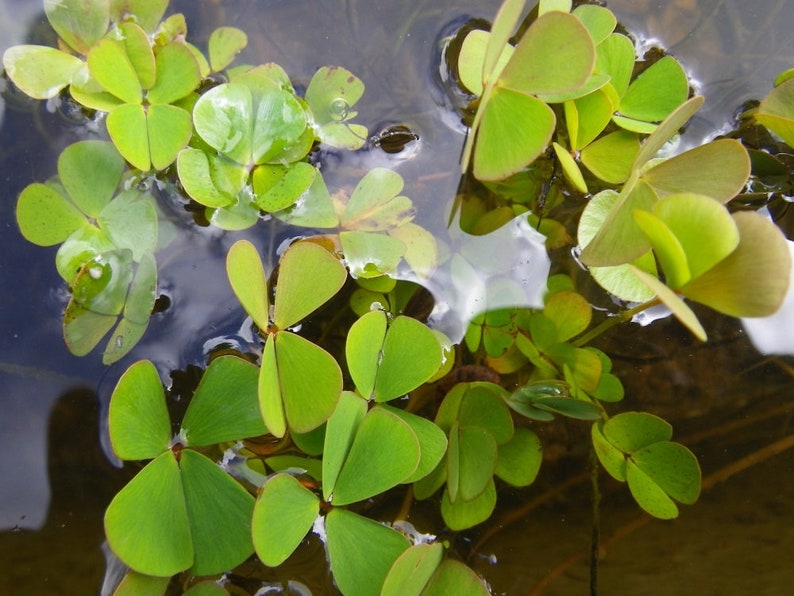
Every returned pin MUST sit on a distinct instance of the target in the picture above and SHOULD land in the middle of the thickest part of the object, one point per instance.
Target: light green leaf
(375, 203)
(146, 523)
(649, 495)
(138, 420)
(453, 577)
(673, 467)
(276, 187)
(599, 21)
(569, 168)
(331, 94)
(225, 405)
(128, 128)
(169, 129)
(555, 55)
(247, 278)
(632, 431)
(271, 400)
(283, 514)
(223, 118)
(363, 350)
(385, 453)
(471, 65)
(314, 209)
(672, 301)
(90, 171)
(412, 570)
(45, 216)
(570, 312)
(177, 74)
(611, 157)
(753, 280)
(138, 584)
(309, 400)
(461, 514)
(518, 460)
(40, 71)
(776, 111)
(212, 180)
(656, 92)
(615, 58)
(78, 23)
(219, 512)
(371, 254)
(147, 12)
(612, 458)
(308, 277)
(503, 145)
(666, 130)
(361, 551)
(586, 117)
(130, 221)
(340, 432)
(139, 51)
(112, 69)
(498, 50)
(666, 247)
(224, 44)
(432, 442)
(471, 461)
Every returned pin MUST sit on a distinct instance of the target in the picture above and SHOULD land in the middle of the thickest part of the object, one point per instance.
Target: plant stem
(610, 322)
(595, 536)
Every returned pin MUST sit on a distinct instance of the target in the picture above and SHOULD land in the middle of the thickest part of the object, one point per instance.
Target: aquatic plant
(350, 420)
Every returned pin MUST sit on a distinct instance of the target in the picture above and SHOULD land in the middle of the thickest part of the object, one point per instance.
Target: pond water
(726, 399)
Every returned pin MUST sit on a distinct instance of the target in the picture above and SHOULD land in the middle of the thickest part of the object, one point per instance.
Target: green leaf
(632, 431)
(384, 453)
(224, 44)
(611, 157)
(504, 145)
(363, 350)
(212, 180)
(177, 74)
(672, 301)
(461, 514)
(376, 204)
(315, 209)
(453, 577)
(112, 69)
(471, 461)
(40, 71)
(219, 511)
(340, 432)
(128, 128)
(667, 248)
(138, 420)
(569, 168)
(497, 49)
(331, 94)
(612, 458)
(599, 21)
(225, 405)
(555, 55)
(667, 129)
(130, 221)
(518, 460)
(146, 523)
(752, 281)
(283, 514)
(148, 13)
(169, 129)
(137, 584)
(483, 406)
(412, 570)
(371, 254)
(308, 277)
(309, 400)
(471, 60)
(223, 118)
(277, 187)
(656, 92)
(673, 467)
(615, 58)
(271, 400)
(432, 442)
(78, 23)
(247, 278)
(649, 495)
(90, 171)
(570, 312)
(45, 216)
(586, 117)
(361, 551)
(776, 111)
(718, 169)
(139, 51)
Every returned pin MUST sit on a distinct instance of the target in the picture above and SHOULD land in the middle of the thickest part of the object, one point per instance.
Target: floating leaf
(384, 453)
(224, 406)
(412, 570)
(611, 157)
(146, 523)
(331, 94)
(518, 460)
(371, 254)
(656, 92)
(361, 551)
(138, 420)
(247, 278)
(276, 187)
(40, 71)
(461, 514)
(776, 111)
(471, 461)
(453, 577)
(340, 432)
(600, 21)
(615, 58)
(432, 442)
(90, 171)
(308, 277)
(45, 216)
(128, 129)
(283, 514)
(504, 24)
(79, 24)
(112, 68)
(224, 44)
(471, 60)
(375, 203)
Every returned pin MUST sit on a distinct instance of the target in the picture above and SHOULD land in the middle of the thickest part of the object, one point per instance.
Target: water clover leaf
(167, 519)
(331, 94)
(146, 13)
(361, 551)
(632, 431)
(412, 570)
(776, 111)
(340, 432)
(40, 71)
(308, 277)
(45, 216)
(283, 514)
(80, 24)
(600, 21)
(518, 460)
(610, 157)
(504, 144)
(377, 350)
(472, 66)
(385, 452)
(453, 577)
(653, 95)
(471, 462)
(376, 204)
(460, 515)
(224, 44)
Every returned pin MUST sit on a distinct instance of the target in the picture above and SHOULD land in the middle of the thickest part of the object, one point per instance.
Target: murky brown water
(55, 480)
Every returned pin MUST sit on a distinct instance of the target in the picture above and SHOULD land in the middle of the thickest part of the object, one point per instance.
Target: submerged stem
(621, 317)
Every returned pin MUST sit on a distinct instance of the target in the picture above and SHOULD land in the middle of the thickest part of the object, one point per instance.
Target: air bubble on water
(340, 108)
